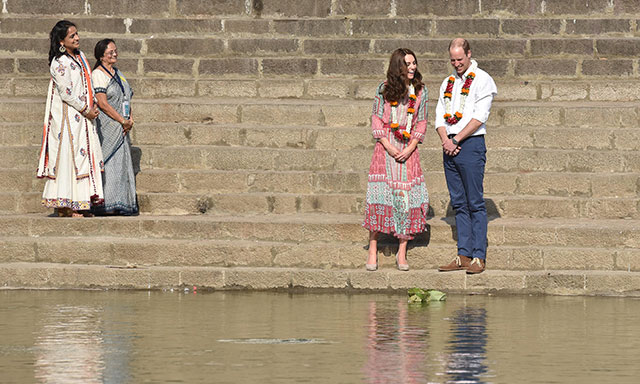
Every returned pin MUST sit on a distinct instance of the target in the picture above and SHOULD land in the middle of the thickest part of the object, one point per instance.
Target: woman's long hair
(57, 34)
(98, 51)
(395, 89)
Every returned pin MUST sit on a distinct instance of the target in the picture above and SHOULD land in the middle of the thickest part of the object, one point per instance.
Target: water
(267, 337)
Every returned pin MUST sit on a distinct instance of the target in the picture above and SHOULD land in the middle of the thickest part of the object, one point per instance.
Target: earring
(62, 49)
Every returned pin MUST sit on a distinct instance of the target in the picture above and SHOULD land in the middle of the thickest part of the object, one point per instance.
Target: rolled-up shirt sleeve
(484, 99)
(440, 107)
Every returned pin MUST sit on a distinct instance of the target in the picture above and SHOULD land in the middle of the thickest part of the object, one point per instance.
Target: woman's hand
(92, 113)
(403, 155)
(127, 125)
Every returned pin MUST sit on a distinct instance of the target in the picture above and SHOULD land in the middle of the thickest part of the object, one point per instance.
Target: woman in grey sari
(114, 122)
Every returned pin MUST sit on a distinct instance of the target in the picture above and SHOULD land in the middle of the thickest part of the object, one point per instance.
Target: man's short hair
(460, 42)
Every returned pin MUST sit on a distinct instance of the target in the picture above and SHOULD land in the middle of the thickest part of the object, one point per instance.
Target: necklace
(450, 118)
(403, 133)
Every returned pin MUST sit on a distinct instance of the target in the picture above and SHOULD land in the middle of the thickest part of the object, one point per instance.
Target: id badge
(126, 109)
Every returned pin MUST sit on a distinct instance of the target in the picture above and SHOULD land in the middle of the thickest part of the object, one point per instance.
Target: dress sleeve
(377, 123)
(100, 81)
(71, 92)
(420, 127)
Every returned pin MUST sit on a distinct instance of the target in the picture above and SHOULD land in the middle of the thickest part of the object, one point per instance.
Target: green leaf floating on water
(417, 295)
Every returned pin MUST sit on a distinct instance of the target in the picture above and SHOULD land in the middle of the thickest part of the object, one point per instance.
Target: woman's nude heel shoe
(372, 267)
(401, 267)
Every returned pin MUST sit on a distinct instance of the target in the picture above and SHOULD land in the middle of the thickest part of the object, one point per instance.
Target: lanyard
(116, 78)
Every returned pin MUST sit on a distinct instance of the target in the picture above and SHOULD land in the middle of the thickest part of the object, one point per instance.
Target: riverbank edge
(23, 275)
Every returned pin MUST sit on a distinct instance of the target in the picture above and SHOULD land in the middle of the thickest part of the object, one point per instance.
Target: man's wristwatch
(454, 141)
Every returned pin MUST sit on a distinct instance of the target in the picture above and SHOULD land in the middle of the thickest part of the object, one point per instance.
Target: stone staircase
(253, 144)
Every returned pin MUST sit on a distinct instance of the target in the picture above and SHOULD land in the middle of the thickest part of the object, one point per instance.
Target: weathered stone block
(601, 117)
(168, 158)
(597, 27)
(369, 280)
(290, 67)
(514, 90)
(148, 87)
(610, 208)
(621, 185)
(596, 161)
(546, 47)
(239, 204)
(545, 67)
(36, 45)
(263, 46)
(563, 91)
(531, 26)
(436, 7)
(281, 89)
(314, 27)
(288, 182)
(14, 250)
(506, 139)
(498, 281)
(234, 66)
(219, 182)
(246, 158)
(540, 207)
(389, 27)
(319, 279)
(202, 278)
(213, 7)
(369, 8)
(533, 116)
(581, 259)
(335, 89)
(453, 27)
(336, 46)
(168, 66)
(613, 91)
(355, 67)
(150, 181)
(346, 115)
(297, 160)
(52, 7)
(483, 48)
(184, 112)
(7, 88)
(6, 66)
(161, 26)
(77, 252)
(253, 26)
(608, 283)
(597, 139)
(264, 278)
(497, 68)
(311, 8)
(555, 283)
(436, 48)
(185, 46)
(281, 113)
(618, 47)
(227, 88)
(605, 67)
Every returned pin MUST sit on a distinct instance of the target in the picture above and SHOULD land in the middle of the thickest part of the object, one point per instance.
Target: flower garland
(398, 132)
(448, 117)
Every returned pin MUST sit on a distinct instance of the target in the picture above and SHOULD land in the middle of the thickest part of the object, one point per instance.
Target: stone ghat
(252, 141)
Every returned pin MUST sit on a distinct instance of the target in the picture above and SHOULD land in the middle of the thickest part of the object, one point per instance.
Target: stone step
(335, 255)
(276, 87)
(226, 158)
(326, 9)
(338, 138)
(518, 206)
(560, 184)
(337, 113)
(367, 25)
(304, 228)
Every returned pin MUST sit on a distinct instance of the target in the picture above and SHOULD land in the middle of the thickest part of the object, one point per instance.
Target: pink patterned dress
(397, 197)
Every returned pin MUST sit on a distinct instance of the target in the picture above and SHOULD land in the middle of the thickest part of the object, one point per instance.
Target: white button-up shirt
(478, 103)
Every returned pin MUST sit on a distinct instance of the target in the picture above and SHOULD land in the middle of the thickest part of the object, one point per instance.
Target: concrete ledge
(22, 275)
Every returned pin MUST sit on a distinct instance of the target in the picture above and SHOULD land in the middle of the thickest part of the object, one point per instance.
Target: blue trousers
(465, 175)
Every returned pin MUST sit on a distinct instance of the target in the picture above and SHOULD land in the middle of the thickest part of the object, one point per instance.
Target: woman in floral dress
(397, 197)
(70, 156)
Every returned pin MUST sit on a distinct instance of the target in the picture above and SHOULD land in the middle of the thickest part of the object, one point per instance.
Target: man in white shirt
(463, 108)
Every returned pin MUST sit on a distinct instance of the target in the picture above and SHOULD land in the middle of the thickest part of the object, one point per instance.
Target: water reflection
(70, 347)
(396, 349)
(467, 346)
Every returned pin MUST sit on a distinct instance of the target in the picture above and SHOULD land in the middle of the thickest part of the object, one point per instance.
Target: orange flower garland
(457, 116)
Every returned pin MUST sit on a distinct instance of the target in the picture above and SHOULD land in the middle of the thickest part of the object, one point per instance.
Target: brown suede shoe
(476, 266)
(459, 263)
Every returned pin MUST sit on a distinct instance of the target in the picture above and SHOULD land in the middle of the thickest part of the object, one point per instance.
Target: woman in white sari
(71, 156)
